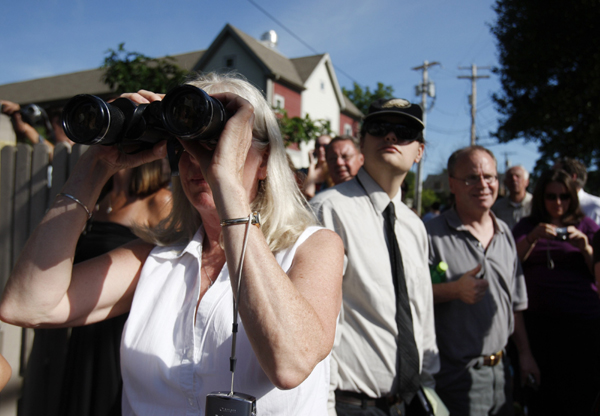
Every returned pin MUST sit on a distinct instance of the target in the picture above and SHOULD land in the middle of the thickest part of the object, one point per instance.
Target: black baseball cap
(413, 113)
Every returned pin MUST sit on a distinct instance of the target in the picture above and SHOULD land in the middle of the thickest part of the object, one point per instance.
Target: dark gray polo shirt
(465, 332)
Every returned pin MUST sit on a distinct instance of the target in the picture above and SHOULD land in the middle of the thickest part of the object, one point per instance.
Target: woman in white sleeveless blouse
(177, 284)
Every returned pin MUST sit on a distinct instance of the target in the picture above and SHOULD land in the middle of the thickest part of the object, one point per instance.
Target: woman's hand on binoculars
(143, 96)
(228, 159)
(116, 158)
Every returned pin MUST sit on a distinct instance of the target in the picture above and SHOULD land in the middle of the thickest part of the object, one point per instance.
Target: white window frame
(278, 101)
(348, 129)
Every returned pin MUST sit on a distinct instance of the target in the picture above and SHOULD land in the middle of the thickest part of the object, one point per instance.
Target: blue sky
(371, 41)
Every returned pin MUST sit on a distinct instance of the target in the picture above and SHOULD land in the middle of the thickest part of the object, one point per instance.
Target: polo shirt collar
(454, 221)
(379, 198)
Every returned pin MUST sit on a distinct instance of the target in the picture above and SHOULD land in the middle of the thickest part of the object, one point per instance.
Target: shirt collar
(454, 221)
(379, 198)
(193, 247)
(524, 201)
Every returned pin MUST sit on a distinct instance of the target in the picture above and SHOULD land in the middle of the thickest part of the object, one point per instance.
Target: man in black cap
(385, 345)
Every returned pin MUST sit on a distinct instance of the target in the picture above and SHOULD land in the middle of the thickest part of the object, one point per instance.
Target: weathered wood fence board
(28, 185)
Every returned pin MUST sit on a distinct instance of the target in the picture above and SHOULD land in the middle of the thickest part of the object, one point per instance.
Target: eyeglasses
(553, 197)
(403, 133)
(476, 179)
(345, 157)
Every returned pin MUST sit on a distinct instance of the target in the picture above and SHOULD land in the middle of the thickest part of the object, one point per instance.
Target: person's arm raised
(289, 318)
(44, 289)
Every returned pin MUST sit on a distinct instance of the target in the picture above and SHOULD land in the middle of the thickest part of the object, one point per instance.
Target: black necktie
(408, 357)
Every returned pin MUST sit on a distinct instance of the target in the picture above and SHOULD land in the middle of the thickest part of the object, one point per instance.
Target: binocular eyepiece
(186, 112)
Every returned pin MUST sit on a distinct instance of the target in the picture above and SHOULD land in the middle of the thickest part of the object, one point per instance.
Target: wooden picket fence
(28, 185)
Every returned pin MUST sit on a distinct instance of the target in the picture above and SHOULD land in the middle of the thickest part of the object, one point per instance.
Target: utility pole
(424, 89)
(473, 98)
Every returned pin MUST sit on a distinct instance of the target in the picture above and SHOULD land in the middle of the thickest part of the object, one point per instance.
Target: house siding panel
(319, 100)
(243, 63)
(293, 99)
(344, 119)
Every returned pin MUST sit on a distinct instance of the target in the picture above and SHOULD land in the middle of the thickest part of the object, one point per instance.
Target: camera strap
(174, 151)
(236, 304)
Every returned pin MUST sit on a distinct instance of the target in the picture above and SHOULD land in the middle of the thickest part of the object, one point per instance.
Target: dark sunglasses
(552, 197)
(403, 133)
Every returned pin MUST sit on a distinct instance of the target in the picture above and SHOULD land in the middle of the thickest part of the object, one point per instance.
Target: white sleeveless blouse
(169, 364)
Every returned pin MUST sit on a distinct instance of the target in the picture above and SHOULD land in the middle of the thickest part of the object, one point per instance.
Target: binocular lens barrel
(87, 119)
(190, 113)
(186, 112)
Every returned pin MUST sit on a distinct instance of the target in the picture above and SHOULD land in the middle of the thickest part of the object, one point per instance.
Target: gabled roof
(56, 88)
(274, 64)
(306, 65)
(62, 87)
(351, 109)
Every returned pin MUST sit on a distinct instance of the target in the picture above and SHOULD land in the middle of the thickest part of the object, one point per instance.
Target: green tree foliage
(361, 98)
(428, 197)
(408, 185)
(550, 73)
(132, 71)
(301, 129)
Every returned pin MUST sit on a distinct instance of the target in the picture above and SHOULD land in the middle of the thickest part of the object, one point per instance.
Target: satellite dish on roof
(269, 39)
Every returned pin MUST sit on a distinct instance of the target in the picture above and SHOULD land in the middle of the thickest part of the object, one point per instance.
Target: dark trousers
(567, 351)
(478, 391)
(345, 409)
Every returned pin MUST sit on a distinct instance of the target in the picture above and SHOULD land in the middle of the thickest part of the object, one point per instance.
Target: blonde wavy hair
(283, 209)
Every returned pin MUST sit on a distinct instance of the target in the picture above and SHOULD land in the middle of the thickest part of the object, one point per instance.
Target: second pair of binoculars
(186, 112)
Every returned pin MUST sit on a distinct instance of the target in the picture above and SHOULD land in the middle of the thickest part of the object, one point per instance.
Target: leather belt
(492, 360)
(364, 401)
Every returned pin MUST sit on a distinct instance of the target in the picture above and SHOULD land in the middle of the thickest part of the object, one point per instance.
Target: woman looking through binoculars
(179, 288)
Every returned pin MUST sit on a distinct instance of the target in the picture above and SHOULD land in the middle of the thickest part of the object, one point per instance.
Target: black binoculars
(186, 112)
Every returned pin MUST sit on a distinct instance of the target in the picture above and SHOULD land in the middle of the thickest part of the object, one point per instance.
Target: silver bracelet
(253, 218)
(89, 214)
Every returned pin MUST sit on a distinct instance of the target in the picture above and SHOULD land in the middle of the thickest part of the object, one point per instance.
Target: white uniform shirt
(364, 356)
(590, 205)
(169, 364)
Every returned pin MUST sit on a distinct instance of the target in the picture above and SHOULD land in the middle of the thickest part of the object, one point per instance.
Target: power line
(313, 50)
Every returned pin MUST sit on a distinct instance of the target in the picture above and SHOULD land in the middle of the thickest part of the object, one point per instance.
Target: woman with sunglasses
(563, 318)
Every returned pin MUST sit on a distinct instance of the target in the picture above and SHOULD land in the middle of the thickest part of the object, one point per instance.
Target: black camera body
(562, 234)
(186, 112)
(33, 114)
(223, 403)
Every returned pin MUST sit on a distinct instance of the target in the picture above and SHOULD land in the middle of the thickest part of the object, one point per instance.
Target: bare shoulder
(322, 250)
(323, 239)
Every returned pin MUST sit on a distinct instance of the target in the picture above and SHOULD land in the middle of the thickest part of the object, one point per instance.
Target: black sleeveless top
(92, 383)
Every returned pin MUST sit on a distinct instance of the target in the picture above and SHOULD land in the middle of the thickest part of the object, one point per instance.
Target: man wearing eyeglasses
(385, 345)
(479, 302)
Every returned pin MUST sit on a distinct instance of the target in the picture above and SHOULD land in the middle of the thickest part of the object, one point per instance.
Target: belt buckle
(495, 358)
